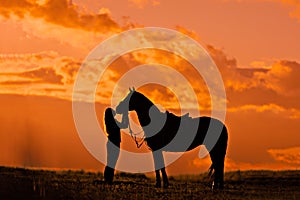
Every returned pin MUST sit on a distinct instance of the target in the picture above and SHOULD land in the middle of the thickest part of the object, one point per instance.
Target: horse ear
(133, 89)
(130, 90)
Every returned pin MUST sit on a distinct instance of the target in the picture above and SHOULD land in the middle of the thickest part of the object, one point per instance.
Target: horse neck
(143, 115)
(143, 112)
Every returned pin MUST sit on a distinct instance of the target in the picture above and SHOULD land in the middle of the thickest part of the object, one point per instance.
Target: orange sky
(253, 43)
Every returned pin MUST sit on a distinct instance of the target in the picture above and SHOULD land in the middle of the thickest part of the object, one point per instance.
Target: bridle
(133, 136)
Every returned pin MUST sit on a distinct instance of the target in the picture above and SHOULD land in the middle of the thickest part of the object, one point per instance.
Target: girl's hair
(109, 113)
(109, 116)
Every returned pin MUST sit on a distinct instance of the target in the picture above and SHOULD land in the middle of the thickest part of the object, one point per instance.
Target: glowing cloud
(59, 12)
(271, 108)
(60, 20)
(44, 73)
(288, 155)
(296, 4)
(142, 3)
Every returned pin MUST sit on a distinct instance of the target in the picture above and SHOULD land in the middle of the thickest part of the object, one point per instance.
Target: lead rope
(133, 136)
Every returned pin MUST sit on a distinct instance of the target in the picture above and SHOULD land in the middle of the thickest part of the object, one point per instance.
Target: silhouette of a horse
(168, 132)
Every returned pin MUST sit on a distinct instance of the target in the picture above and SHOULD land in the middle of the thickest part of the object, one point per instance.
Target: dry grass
(18, 183)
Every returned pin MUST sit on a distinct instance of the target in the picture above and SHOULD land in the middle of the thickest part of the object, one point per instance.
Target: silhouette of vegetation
(18, 183)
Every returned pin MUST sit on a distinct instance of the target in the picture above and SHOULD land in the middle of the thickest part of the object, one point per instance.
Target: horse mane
(169, 114)
(146, 102)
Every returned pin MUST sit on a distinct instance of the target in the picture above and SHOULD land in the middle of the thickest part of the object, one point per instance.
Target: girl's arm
(124, 123)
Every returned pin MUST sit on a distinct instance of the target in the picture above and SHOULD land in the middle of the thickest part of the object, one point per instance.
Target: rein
(133, 136)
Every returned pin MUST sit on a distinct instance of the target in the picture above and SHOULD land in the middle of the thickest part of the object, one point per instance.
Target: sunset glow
(254, 44)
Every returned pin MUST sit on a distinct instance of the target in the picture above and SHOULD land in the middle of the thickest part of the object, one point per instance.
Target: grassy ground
(18, 183)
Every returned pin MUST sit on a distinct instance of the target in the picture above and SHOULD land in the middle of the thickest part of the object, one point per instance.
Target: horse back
(183, 133)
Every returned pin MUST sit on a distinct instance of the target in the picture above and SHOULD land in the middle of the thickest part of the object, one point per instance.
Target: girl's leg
(113, 152)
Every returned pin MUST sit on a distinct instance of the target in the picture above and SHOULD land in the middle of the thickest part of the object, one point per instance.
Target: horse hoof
(214, 186)
(158, 185)
(217, 187)
(166, 185)
(108, 182)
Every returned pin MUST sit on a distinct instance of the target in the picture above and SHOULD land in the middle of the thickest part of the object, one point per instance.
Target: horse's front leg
(165, 177)
(159, 164)
(158, 182)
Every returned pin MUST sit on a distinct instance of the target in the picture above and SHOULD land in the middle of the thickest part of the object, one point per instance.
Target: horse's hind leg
(218, 165)
(217, 155)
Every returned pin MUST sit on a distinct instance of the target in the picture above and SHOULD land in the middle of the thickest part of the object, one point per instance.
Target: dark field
(18, 183)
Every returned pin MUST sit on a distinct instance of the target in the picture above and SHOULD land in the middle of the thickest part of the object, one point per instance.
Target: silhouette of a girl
(114, 139)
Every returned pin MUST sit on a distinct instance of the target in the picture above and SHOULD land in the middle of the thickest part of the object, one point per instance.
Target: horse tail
(225, 140)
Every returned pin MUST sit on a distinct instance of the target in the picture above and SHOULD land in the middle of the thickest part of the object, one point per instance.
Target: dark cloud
(69, 68)
(47, 75)
(221, 59)
(290, 82)
(18, 82)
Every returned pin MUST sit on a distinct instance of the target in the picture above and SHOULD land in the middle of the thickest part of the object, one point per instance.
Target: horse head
(125, 105)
